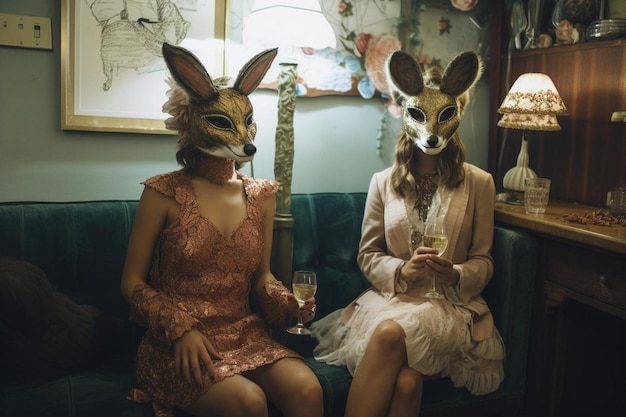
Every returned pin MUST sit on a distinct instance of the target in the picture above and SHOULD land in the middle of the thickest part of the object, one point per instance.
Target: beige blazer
(469, 221)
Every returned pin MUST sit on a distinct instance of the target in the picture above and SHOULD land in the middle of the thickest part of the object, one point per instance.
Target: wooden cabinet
(576, 364)
(599, 281)
(576, 358)
(587, 157)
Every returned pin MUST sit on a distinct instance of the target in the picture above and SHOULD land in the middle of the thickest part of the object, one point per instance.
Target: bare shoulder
(154, 198)
(157, 207)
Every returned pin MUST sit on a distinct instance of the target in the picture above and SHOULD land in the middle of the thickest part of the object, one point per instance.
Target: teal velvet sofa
(81, 248)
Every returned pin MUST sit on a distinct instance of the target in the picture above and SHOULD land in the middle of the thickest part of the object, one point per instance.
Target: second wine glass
(304, 286)
(436, 237)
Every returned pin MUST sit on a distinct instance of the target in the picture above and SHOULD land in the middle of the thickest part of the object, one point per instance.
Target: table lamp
(532, 103)
(287, 24)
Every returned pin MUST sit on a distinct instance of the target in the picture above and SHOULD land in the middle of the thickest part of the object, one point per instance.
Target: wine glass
(436, 237)
(304, 286)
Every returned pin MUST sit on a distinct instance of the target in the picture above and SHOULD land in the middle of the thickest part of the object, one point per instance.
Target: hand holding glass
(304, 286)
(436, 237)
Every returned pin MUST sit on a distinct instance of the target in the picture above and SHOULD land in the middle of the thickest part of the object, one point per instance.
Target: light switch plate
(25, 31)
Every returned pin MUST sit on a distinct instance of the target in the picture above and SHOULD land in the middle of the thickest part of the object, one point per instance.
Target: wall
(335, 136)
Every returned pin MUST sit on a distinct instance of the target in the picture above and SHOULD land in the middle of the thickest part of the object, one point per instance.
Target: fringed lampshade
(532, 103)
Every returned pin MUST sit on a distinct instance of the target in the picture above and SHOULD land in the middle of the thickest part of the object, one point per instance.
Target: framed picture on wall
(365, 31)
(113, 76)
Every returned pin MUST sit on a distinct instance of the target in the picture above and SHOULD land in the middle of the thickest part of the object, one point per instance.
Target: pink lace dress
(201, 279)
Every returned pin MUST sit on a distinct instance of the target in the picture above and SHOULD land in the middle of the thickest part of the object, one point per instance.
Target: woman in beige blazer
(392, 336)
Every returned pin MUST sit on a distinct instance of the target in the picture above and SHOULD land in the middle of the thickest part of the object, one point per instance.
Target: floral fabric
(201, 279)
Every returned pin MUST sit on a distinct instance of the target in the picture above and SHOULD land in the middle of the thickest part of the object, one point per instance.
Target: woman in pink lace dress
(200, 246)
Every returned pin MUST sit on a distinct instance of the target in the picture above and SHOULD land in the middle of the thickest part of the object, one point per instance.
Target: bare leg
(235, 396)
(292, 386)
(407, 394)
(372, 387)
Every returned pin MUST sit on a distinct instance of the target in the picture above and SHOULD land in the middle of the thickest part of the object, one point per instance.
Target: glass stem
(300, 323)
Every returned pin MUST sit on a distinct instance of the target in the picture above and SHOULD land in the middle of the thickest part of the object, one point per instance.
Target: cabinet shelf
(584, 159)
(561, 49)
(580, 289)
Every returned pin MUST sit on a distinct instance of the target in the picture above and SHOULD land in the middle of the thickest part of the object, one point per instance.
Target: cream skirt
(438, 340)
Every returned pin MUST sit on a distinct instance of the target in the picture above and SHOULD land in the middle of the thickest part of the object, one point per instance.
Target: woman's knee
(312, 392)
(389, 335)
(247, 399)
(409, 383)
(252, 400)
(306, 389)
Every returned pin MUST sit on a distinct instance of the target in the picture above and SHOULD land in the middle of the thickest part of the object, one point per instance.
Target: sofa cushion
(335, 381)
(45, 334)
(97, 393)
(509, 296)
(80, 246)
(327, 231)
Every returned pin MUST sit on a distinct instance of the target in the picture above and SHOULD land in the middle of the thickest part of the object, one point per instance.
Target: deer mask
(218, 120)
(431, 113)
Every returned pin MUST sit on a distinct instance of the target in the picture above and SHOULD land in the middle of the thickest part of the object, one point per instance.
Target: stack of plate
(606, 29)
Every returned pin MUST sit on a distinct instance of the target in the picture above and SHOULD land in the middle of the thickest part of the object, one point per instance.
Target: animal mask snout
(432, 140)
(249, 149)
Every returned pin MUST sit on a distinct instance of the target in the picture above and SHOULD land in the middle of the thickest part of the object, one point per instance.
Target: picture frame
(339, 71)
(365, 31)
(113, 76)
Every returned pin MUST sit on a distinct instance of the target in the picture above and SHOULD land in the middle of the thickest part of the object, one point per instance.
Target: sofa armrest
(509, 296)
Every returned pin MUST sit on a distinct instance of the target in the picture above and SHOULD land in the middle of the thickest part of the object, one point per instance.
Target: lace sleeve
(273, 300)
(159, 313)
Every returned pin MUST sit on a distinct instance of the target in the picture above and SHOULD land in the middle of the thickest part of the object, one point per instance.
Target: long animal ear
(461, 74)
(405, 73)
(252, 73)
(188, 72)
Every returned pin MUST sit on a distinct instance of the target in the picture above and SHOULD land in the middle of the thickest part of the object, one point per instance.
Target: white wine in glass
(436, 237)
(304, 286)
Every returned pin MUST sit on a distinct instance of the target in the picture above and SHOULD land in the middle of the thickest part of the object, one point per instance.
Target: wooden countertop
(553, 223)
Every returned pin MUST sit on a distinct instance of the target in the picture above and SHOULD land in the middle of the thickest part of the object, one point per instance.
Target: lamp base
(513, 180)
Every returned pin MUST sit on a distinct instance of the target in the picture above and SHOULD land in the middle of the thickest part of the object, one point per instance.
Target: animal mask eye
(447, 114)
(417, 114)
(249, 120)
(218, 121)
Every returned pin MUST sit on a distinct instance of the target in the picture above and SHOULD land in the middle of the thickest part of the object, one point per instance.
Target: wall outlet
(25, 31)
